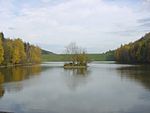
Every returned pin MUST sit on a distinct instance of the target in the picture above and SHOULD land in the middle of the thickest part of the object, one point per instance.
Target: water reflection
(1, 88)
(15, 74)
(140, 74)
(76, 77)
(97, 89)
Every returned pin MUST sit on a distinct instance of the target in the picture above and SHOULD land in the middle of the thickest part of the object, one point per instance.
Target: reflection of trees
(15, 74)
(2, 91)
(1, 78)
(1, 81)
(76, 77)
(140, 74)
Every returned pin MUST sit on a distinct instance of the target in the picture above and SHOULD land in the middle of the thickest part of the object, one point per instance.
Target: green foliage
(137, 52)
(108, 56)
(55, 57)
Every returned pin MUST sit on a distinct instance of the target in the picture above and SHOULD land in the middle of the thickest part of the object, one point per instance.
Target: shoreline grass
(64, 57)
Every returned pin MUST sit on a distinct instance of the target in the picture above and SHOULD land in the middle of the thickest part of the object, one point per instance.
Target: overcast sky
(97, 25)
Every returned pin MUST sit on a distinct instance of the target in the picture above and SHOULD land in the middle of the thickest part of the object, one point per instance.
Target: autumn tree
(1, 50)
(8, 50)
(27, 51)
(15, 51)
(19, 54)
(2, 36)
(35, 54)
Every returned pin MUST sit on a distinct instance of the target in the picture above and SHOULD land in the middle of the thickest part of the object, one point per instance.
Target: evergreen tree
(137, 52)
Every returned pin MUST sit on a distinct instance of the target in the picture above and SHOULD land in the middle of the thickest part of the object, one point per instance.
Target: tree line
(136, 52)
(107, 56)
(15, 51)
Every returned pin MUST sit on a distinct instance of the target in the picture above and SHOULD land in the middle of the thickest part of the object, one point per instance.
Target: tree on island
(77, 55)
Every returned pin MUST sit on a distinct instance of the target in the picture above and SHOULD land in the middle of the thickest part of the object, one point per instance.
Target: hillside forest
(136, 52)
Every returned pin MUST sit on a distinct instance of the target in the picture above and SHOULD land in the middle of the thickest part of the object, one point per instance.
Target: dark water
(102, 88)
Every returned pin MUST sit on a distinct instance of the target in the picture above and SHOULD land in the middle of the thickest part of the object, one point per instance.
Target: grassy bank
(64, 57)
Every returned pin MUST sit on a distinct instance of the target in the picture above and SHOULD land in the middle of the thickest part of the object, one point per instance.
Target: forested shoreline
(136, 52)
(15, 52)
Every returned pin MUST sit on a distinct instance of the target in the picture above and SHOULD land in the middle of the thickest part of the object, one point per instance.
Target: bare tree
(77, 55)
(72, 48)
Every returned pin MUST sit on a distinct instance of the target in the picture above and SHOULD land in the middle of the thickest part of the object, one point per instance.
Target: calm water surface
(103, 87)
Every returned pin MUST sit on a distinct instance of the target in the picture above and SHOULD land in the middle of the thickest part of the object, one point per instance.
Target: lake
(104, 87)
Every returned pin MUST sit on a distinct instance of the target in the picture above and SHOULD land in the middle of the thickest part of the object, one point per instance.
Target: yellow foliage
(19, 54)
(1, 52)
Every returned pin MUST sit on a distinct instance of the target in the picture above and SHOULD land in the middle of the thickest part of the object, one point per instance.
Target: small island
(77, 57)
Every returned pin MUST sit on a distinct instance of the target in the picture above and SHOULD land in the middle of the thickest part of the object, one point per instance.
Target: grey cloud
(147, 1)
(87, 22)
(125, 32)
(143, 27)
(144, 20)
(146, 25)
(11, 28)
(146, 5)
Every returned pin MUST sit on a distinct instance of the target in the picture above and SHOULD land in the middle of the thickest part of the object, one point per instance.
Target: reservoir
(104, 87)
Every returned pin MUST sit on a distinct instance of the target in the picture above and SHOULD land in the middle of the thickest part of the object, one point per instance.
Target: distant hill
(136, 52)
(108, 56)
(45, 52)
